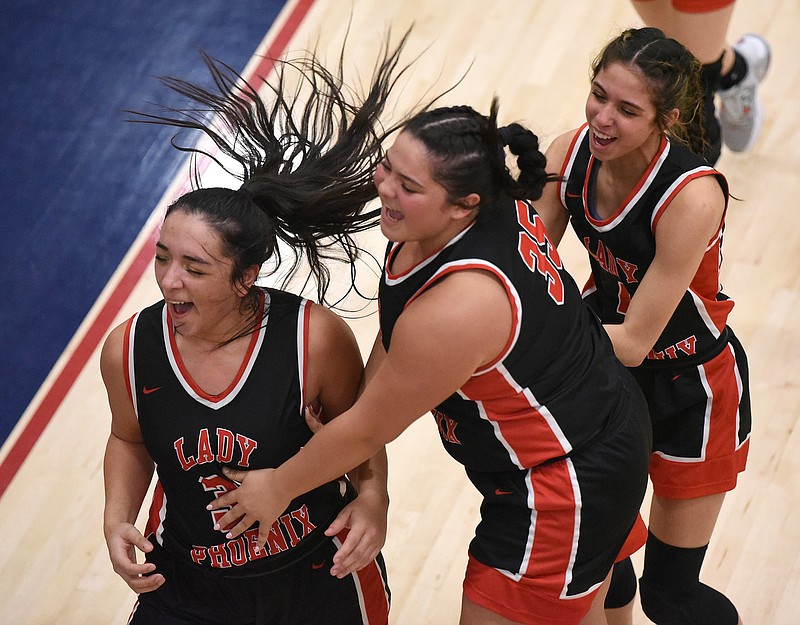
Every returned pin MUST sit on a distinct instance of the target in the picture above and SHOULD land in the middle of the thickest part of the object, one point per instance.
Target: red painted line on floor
(102, 322)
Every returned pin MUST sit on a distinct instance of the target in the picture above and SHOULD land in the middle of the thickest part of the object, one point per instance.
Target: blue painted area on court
(77, 181)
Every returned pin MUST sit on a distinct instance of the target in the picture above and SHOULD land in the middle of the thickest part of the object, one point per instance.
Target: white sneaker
(741, 114)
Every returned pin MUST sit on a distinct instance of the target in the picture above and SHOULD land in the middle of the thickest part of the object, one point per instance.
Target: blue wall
(77, 181)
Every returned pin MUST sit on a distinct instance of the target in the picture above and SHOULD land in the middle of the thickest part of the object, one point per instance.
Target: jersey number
(538, 253)
(219, 486)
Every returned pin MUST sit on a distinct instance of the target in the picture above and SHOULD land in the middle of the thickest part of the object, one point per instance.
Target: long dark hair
(467, 155)
(305, 152)
(673, 76)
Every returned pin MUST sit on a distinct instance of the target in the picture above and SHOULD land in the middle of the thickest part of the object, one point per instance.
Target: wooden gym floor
(534, 55)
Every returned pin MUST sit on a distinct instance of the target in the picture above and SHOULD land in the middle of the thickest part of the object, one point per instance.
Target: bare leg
(620, 616)
(473, 614)
(704, 34)
(686, 523)
(596, 614)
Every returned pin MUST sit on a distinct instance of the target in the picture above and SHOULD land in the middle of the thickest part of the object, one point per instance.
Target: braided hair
(305, 155)
(673, 77)
(466, 152)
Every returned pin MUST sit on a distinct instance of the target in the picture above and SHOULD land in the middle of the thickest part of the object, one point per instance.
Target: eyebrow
(625, 102)
(402, 175)
(192, 259)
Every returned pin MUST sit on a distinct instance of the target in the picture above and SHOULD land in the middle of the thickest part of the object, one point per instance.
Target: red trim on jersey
(635, 540)
(699, 6)
(705, 282)
(372, 590)
(153, 525)
(626, 203)
(555, 533)
(243, 367)
(395, 249)
(666, 201)
(569, 158)
(533, 440)
(724, 456)
(482, 266)
(524, 601)
(126, 354)
(303, 347)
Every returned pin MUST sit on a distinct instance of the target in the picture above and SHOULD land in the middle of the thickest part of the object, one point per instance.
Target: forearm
(370, 477)
(127, 472)
(333, 451)
(627, 349)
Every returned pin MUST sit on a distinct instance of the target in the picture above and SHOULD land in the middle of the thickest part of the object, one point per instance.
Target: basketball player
(481, 325)
(650, 212)
(731, 71)
(221, 372)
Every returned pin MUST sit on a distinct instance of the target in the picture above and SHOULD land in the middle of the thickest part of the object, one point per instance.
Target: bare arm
(549, 206)
(682, 236)
(127, 471)
(435, 348)
(335, 377)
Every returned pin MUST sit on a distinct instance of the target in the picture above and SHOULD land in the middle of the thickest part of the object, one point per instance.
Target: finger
(355, 562)
(234, 475)
(235, 524)
(355, 553)
(228, 500)
(142, 544)
(130, 571)
(146, 584)
(338, 524)
(314, 418)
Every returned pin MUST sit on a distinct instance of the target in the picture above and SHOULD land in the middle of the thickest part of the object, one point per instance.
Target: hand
(366, 519)
(122, 541)
(256, 500)
(314, 418)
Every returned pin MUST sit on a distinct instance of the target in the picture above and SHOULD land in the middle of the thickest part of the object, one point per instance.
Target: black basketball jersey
(257, 422)
(556, 381)
(622, 247)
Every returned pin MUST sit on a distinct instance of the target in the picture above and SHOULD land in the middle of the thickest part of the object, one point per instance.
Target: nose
(383, 184)
(170, 278)
(604, 115)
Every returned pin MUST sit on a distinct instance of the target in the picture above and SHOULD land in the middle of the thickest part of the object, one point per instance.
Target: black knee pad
(671, 592)
(709, 80)
(622, 589)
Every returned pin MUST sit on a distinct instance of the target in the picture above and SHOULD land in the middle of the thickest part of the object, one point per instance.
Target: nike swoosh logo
(497, 491)
(147, 391)
(573, 195)
(317, 567)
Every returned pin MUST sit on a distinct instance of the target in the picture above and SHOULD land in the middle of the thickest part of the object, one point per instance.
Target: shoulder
(702, 191)
(698, 207)
(559, 148)
(112, 352)
(327, 331)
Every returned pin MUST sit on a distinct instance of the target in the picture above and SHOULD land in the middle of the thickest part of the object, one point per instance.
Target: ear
(465, 206)
(249, 276)
(671, 117)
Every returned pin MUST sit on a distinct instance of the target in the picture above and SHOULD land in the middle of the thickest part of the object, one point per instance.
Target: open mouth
(179, 309)
(603, 140)
(391, 214)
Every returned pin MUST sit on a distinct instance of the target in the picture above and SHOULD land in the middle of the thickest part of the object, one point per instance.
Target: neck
(635, 163)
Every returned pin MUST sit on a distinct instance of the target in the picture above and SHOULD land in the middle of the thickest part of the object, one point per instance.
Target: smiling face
(621, 114)
(415, 207)
(194, 276)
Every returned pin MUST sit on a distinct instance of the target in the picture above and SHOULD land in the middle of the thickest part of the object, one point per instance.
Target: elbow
(631, 354)
(631, 360)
